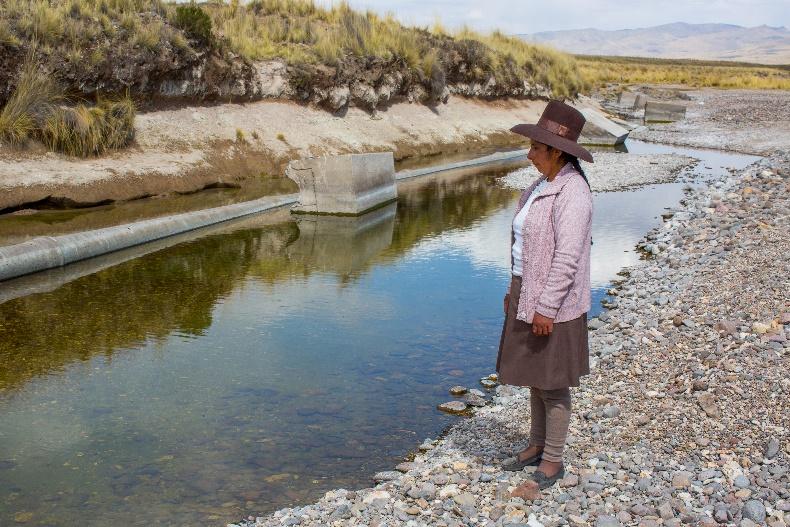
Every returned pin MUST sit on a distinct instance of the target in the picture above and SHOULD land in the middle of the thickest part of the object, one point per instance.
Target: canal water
(255, 368)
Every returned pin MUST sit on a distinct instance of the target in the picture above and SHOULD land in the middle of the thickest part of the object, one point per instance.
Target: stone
(772, 448)
(528, 491)
(458, 390)
(488, 383)
(611, 411)
(595, 323)
(681, 480)
(754, 510)
(607, 521)
(474, 400)
(453, 407)
(464, 499)
(570, 480)
(344, 184)
(741, 481)
(376, 495)
(707, 402)
(665, 511)
(387, 475)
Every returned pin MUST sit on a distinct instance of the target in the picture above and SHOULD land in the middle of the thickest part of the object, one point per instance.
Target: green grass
(598, 71)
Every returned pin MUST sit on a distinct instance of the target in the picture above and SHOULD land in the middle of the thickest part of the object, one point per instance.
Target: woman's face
(545, 158)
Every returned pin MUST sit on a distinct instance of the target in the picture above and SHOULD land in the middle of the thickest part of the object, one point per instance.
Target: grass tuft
(84, 131)
(32, 100)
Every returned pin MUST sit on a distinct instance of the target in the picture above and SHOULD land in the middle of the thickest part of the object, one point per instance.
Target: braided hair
(574, 161)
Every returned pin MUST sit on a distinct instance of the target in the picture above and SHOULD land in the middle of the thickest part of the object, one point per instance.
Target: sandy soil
(188, 149)
(746, 121)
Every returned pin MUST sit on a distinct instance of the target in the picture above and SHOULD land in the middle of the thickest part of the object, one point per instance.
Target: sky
(531, 16)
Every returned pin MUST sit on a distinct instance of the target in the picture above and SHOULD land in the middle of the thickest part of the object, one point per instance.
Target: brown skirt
(547, 363)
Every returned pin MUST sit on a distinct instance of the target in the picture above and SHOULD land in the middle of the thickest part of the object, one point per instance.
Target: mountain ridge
(762, 44)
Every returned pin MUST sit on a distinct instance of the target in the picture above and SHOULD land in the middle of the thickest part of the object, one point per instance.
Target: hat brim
(542, 135)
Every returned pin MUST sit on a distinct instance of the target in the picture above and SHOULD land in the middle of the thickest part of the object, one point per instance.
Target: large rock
(600, 130)
(664, 112)
(350, 184)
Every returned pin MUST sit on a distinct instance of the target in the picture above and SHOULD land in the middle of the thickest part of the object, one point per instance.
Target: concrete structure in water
(600, 130)
(632, 100)
(348, 184)
(664, 112)
(343, 244)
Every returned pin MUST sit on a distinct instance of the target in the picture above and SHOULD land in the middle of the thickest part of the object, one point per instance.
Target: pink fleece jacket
(557, 235)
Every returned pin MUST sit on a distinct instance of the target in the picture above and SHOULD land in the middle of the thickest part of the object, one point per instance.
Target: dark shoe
(545, 481)
(517, 465)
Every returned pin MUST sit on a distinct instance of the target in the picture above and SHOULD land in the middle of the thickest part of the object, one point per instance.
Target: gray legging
(551, 415)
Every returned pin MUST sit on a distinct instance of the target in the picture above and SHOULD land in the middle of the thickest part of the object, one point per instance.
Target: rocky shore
(684, 417)
(746, 121)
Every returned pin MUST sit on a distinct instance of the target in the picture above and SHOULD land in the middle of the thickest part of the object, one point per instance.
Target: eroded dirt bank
(188, 149)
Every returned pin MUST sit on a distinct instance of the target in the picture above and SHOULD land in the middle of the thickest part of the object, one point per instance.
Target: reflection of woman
(544, 338)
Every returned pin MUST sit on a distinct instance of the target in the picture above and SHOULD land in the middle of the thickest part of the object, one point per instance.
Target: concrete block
(600, 130)
(639, 101)
(343, 244)
(664, 112)
(627, 99)
(348, 184)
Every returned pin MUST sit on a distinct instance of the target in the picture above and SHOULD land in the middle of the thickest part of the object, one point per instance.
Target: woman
(544, 338)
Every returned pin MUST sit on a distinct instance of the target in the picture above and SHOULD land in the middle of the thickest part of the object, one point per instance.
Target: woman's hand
(507, 301)
(542, 326)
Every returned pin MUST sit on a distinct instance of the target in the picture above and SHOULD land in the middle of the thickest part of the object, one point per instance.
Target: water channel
(261, 364)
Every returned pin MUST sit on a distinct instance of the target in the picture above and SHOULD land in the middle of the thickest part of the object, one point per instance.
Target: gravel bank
(615, 171)
(684, 418)
(746, 121)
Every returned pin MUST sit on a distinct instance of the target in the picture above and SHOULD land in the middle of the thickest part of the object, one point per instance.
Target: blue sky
(530, 16)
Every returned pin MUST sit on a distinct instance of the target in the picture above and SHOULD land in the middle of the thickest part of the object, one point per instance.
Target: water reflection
(248, 370)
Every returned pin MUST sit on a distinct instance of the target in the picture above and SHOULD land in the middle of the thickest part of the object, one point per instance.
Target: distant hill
(761, 44)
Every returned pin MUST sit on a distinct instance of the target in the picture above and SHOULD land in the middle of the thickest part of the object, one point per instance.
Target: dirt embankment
(188, 149)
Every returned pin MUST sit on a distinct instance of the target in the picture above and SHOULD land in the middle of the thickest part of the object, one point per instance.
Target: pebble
(754, 510)
(453, 407)
(687, 430)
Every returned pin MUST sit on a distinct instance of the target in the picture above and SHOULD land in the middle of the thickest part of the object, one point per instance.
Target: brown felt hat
(559, 126)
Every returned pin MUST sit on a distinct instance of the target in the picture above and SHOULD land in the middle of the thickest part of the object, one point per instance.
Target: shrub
(90, 130)
(194, 22)
(33, 99)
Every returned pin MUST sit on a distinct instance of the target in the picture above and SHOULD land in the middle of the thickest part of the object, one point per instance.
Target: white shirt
(518, 225)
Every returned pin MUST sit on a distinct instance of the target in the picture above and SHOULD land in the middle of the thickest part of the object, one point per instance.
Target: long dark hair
(574, 161)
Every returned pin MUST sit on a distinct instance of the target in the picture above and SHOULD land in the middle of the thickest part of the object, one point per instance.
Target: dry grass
(33, 99)
(599, 71)
(35, 110)
(84, 131)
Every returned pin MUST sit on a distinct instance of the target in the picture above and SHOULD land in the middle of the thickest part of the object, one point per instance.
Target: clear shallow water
(242, 372)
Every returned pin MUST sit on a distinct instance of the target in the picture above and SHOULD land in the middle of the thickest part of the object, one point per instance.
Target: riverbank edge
(467, 484)
(185, 150)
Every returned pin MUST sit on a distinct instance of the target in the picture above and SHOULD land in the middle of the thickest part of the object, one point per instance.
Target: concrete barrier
(349, 184)
(627, 99)
(44, 253)
(600, 130)
(497, 158)
(664, 112)
(47, 252)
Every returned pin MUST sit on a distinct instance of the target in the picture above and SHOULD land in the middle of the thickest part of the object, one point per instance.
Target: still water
(255, 368)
